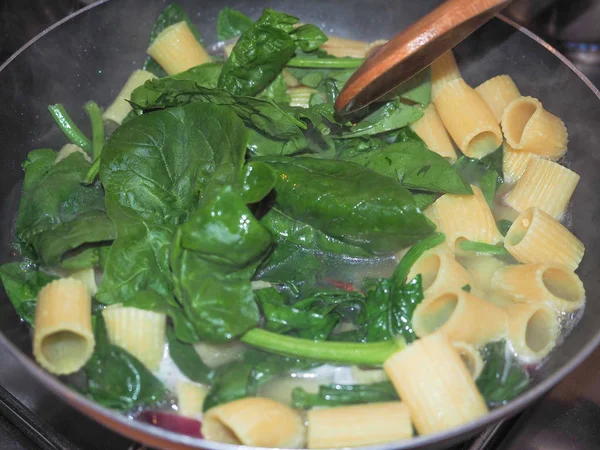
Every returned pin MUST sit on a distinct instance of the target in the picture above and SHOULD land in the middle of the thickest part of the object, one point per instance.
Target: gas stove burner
(582, 52)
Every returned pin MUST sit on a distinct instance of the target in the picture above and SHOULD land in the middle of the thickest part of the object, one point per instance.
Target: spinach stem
(335, 352)
(326, 63)
(481, 247)
(415, 252)
(93, 111)
(68, 127)
(92, 173)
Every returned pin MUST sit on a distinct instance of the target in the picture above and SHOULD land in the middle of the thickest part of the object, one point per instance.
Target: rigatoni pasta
(432, 380)
(557, 286)
(176, 49)
(532, 330)
(63, 339)
(255, 421)
(465, 217)
(119, 108)
(514, 163)
(528, 127)
(498, 92)
(460, 317)
(468, 119)
(545, 185)
(431, 129)
(357, 425)
(536, 237)
(341, 47)
(443, 70)
(141, 332)
(190, 398)
(471, 356)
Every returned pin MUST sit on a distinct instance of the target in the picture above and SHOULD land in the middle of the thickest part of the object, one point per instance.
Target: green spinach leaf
(231, 23)
(187, 360)
(331, 395)
(22, 283)
(486, 173)
(116, 379)
(90, 257)
(348, 202)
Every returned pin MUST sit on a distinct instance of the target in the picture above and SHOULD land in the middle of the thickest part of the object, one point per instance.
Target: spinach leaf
(502, 379)
(486, 172)
(90, 257)
(348, 202)
(404, 300)
(187, 360)
(390, 116)
(155, 170)
(260, 114)
(243, 378)
(417, 88)
(258, 181)
(299, 233)
(206, 74)
(231, 23)
(415, 167)
(423, 200)
(213, 257)
(308, 37)
(57, 213)
(276, 91)
(171, 15)
(152, 301)
(331, 395)
(116, 379)
(504, 225)
(22, 283)
(290, 263)
(259, 55)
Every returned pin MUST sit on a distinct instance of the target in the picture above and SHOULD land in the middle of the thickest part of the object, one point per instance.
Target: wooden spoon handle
(415, 48)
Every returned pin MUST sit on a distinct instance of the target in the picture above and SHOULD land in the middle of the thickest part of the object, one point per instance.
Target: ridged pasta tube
(356, 425)
(528, 127)
(514, 163)
(557, 286)
(254, 421)
(177, 50)
(431, 129)
(119, 108)
(141, 332)
(471, 357)
(300, 96)
(435, 384)
(340, 47)
(443, 70)
(465, 217)
(461, 317)
(532, 330)
(63, 339)
(498, 92)
(536, 237)
(468, 119)
(481, 268)
(440, 272)
(190, 398)
(546, 185)
(87, 277)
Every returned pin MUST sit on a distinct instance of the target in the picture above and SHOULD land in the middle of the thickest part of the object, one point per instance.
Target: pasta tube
(532, 330)
(431, 129)
(465, 217)
(536, 237)
(254, 421)
(190, 398)
(436, 386)
(545, 185)
(63, 339)
(468, 119)
(443, 70)
(498, 93)
(340, 47)
(528, 127)
(177, 50)
(481, 268)
(139, 331)
(557, 286)
(460, 317)
(119, 108)
(470, 357)
(87, 277)
(300, 96)
(514, 163)
(440, 272)
(356, 425)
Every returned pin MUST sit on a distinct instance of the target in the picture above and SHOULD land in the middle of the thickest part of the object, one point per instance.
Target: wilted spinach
(231, 23)
(330, 395)
(485, 172)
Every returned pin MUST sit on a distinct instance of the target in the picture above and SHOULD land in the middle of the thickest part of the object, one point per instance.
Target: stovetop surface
(31, 417)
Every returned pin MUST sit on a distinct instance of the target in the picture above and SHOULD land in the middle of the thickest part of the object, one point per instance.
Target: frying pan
(90, 54)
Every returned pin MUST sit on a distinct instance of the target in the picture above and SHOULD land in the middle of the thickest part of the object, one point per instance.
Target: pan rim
(155, 435)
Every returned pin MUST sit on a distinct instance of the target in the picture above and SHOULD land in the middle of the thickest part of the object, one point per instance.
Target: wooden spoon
(414, 49)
